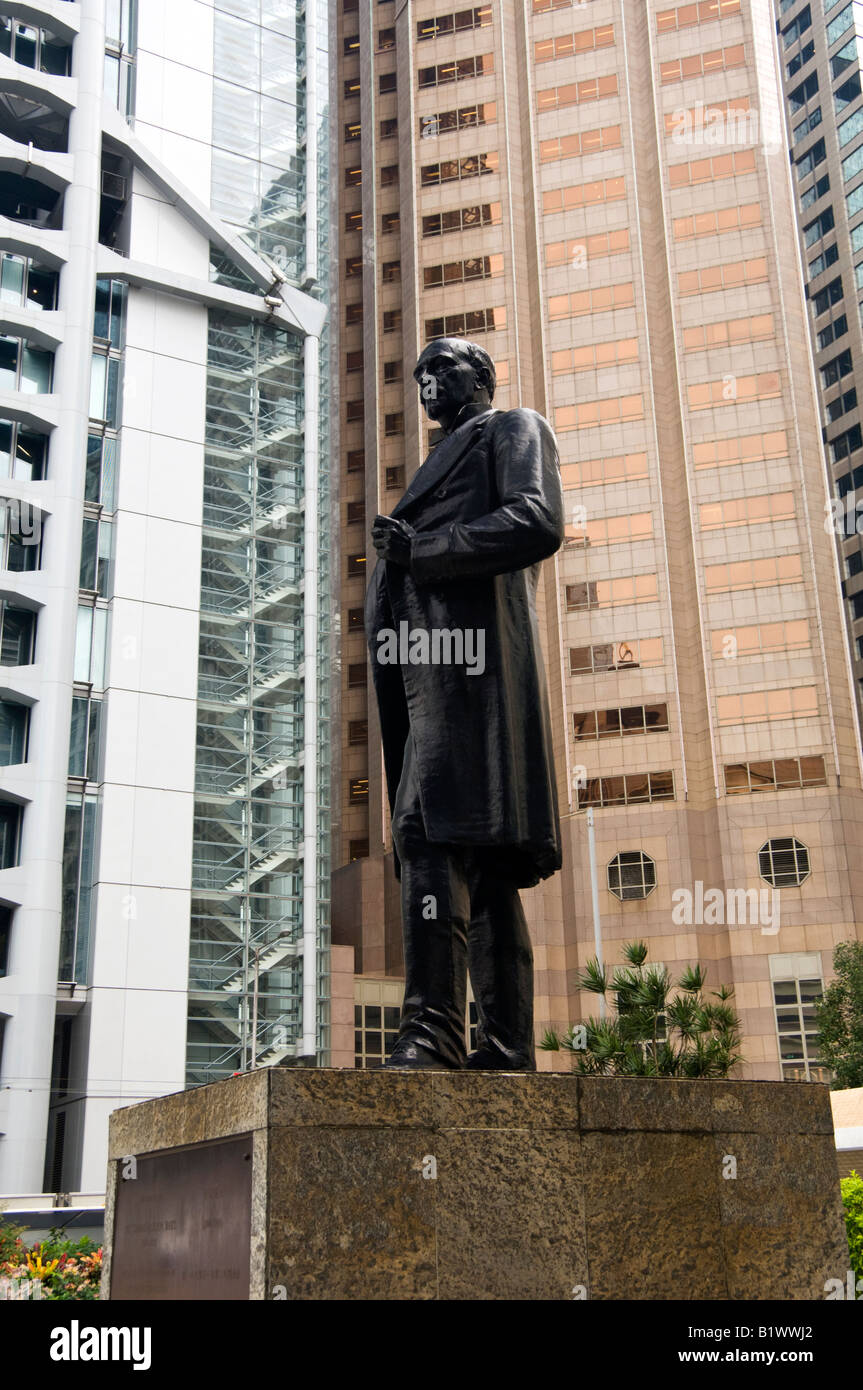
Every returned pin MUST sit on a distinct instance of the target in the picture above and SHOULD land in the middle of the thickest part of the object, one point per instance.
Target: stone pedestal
(421, 1185)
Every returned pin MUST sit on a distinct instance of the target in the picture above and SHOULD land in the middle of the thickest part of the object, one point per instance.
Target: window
(797, 987)
(687, 15)
(847, 92)
(390, 222)
(702, 64)
(459, 272)
(811, 159)
(629, 790)
(609, 593)
(590, 415)
(10, 834)
(734, 275)
(386, 40)
(734, 642)
(389, 128)
(565, 306)
(715, 223)
(469, 167)
(17, 632)
(351, 88)
(618, 723)
(78, 873)
(105, 389)
(824, 261)
(90, 645)
(23, 281)
(614, 469)
(353, 131)
(392, 371)
(358, 788)
(395, 478)
(830, 295)
(611, 530)
(845, 444)
(758, 706)
(20, 537)
(355, 513)
(804, 93)
(595, 357)
(84, 748)
(753, 574)
(807, 125)
(389, 175)
(14, 723)
(386, 83)
(109, 314)
(567, 45)
(836, 368)
(759, 328)
(587, 142)
(816, 192)
(391, 271)
(357, 849)
(463, 118)
(616, 656)
(457, 70)
(392, 320)
(96, 556)
(356, 460)
(631, 875)
(477, 18)
(355, 411)
(354, 313)
(799, 62)
(24, 368)
(358, 731)
(356, 566)
(746, 511)
(718, 166)
(353, 177)
(394, 424)
(357, 675)
(465, 325)
(462, 219)
(844, 58)
(376, 1024)
(22, 453)
(774, 774)
(354, 221)
(797, 28)
(737, 390)
(844, 19)
(34, 48)
(351, 45)
(851, 128)
(355, 620)
(354, 361)
(577, 93)
(5, 934)
(815, 230)
(784, 863)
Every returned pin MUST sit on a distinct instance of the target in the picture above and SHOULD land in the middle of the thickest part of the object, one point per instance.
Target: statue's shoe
(408, 1054)
(490, 1059)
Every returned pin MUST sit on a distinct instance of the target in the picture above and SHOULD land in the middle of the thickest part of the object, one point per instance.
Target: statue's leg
(501, 974)
(435, 912)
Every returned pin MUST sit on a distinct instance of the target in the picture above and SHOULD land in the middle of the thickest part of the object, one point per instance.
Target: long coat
(487, 507)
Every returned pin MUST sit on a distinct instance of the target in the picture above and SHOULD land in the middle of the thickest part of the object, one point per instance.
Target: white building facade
(165, 587)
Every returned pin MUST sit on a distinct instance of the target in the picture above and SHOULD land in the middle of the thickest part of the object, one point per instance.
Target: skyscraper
(166, 642)
(819, 48)
(599, 193)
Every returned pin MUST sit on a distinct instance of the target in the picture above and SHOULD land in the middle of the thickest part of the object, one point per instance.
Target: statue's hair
(472, 352)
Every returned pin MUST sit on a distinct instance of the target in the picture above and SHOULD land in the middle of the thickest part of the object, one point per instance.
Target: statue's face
(447, 382)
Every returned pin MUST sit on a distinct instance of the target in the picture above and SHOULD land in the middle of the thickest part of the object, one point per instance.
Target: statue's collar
(469, 412)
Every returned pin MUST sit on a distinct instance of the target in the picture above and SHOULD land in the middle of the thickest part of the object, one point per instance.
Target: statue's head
(452, 373)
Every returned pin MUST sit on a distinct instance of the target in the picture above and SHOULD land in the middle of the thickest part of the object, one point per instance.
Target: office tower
(599, 194)
(165, 606)
(819, 52)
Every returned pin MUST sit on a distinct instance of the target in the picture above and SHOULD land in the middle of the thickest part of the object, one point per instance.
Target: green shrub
(852, 1198)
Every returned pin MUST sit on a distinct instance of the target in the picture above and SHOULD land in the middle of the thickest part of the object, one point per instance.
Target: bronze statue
(454, 645)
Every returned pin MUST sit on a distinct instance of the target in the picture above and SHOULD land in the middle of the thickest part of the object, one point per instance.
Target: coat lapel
(442, 458)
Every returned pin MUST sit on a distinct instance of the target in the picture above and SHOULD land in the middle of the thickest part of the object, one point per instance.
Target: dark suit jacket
(487, 507)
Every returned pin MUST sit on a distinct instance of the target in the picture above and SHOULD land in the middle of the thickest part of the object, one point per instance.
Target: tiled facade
(599, 194)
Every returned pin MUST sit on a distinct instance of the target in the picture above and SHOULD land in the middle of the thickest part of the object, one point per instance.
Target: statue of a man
(452, 631)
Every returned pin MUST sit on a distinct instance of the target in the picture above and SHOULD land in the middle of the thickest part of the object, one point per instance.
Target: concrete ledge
(437, 1185)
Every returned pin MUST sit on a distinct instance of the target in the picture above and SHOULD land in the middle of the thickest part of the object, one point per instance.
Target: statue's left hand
(392, 539)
